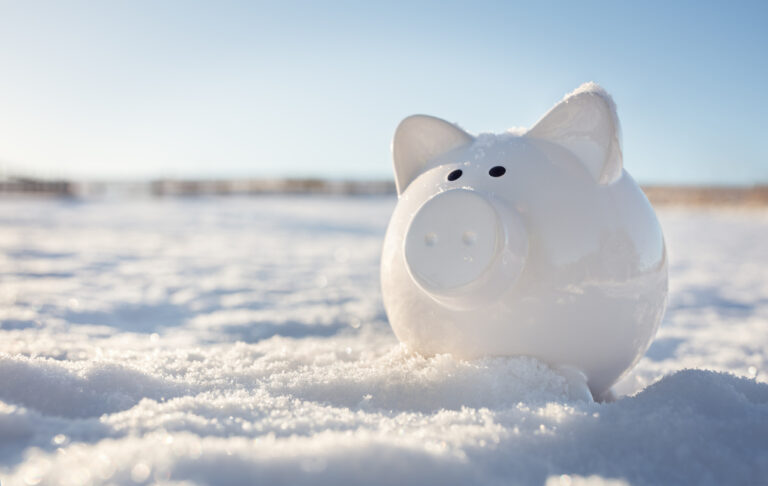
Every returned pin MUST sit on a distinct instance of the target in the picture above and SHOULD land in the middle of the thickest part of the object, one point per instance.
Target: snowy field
(243, 341)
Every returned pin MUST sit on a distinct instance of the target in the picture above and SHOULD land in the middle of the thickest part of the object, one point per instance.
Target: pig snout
(463, 248)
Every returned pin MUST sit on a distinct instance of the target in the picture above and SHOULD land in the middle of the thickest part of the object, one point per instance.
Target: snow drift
(242, 341)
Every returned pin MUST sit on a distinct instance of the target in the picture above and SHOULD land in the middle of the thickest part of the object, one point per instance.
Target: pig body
(537, 244)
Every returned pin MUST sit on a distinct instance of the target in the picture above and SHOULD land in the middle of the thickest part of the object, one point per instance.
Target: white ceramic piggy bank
(535, 243)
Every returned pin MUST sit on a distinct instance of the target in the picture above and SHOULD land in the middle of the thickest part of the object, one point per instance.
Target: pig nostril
(430, 239)
(469, 238)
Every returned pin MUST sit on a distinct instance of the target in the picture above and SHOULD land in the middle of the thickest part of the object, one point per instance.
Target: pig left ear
(585, 122)
(419, 139)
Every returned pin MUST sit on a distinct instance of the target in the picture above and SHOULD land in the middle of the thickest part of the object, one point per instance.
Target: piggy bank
(533, 243)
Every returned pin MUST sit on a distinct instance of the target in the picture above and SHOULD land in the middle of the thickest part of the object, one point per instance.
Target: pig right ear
(585, 122)
(418, 139)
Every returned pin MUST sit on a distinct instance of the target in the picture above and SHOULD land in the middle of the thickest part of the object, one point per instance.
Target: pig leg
(576, 383)
(607, 396)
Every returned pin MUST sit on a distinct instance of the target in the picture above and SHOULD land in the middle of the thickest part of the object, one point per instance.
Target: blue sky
(141, 89)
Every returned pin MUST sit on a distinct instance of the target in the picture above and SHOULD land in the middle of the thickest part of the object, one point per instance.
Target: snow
(229, 341)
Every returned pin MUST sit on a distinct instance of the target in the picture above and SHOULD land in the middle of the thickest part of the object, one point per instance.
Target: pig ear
(418, 139)
(585, 122)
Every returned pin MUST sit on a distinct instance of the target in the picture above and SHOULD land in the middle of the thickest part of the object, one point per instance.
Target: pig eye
(497, 171)
(455, 175)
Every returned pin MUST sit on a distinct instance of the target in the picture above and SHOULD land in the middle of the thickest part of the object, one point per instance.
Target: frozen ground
(243, 341)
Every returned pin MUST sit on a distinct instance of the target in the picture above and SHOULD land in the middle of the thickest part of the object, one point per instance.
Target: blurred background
(241, 97)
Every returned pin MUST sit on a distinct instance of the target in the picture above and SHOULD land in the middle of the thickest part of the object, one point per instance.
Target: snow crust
(243, 341)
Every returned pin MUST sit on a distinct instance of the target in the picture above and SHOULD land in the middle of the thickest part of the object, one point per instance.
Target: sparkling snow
(243, 341)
